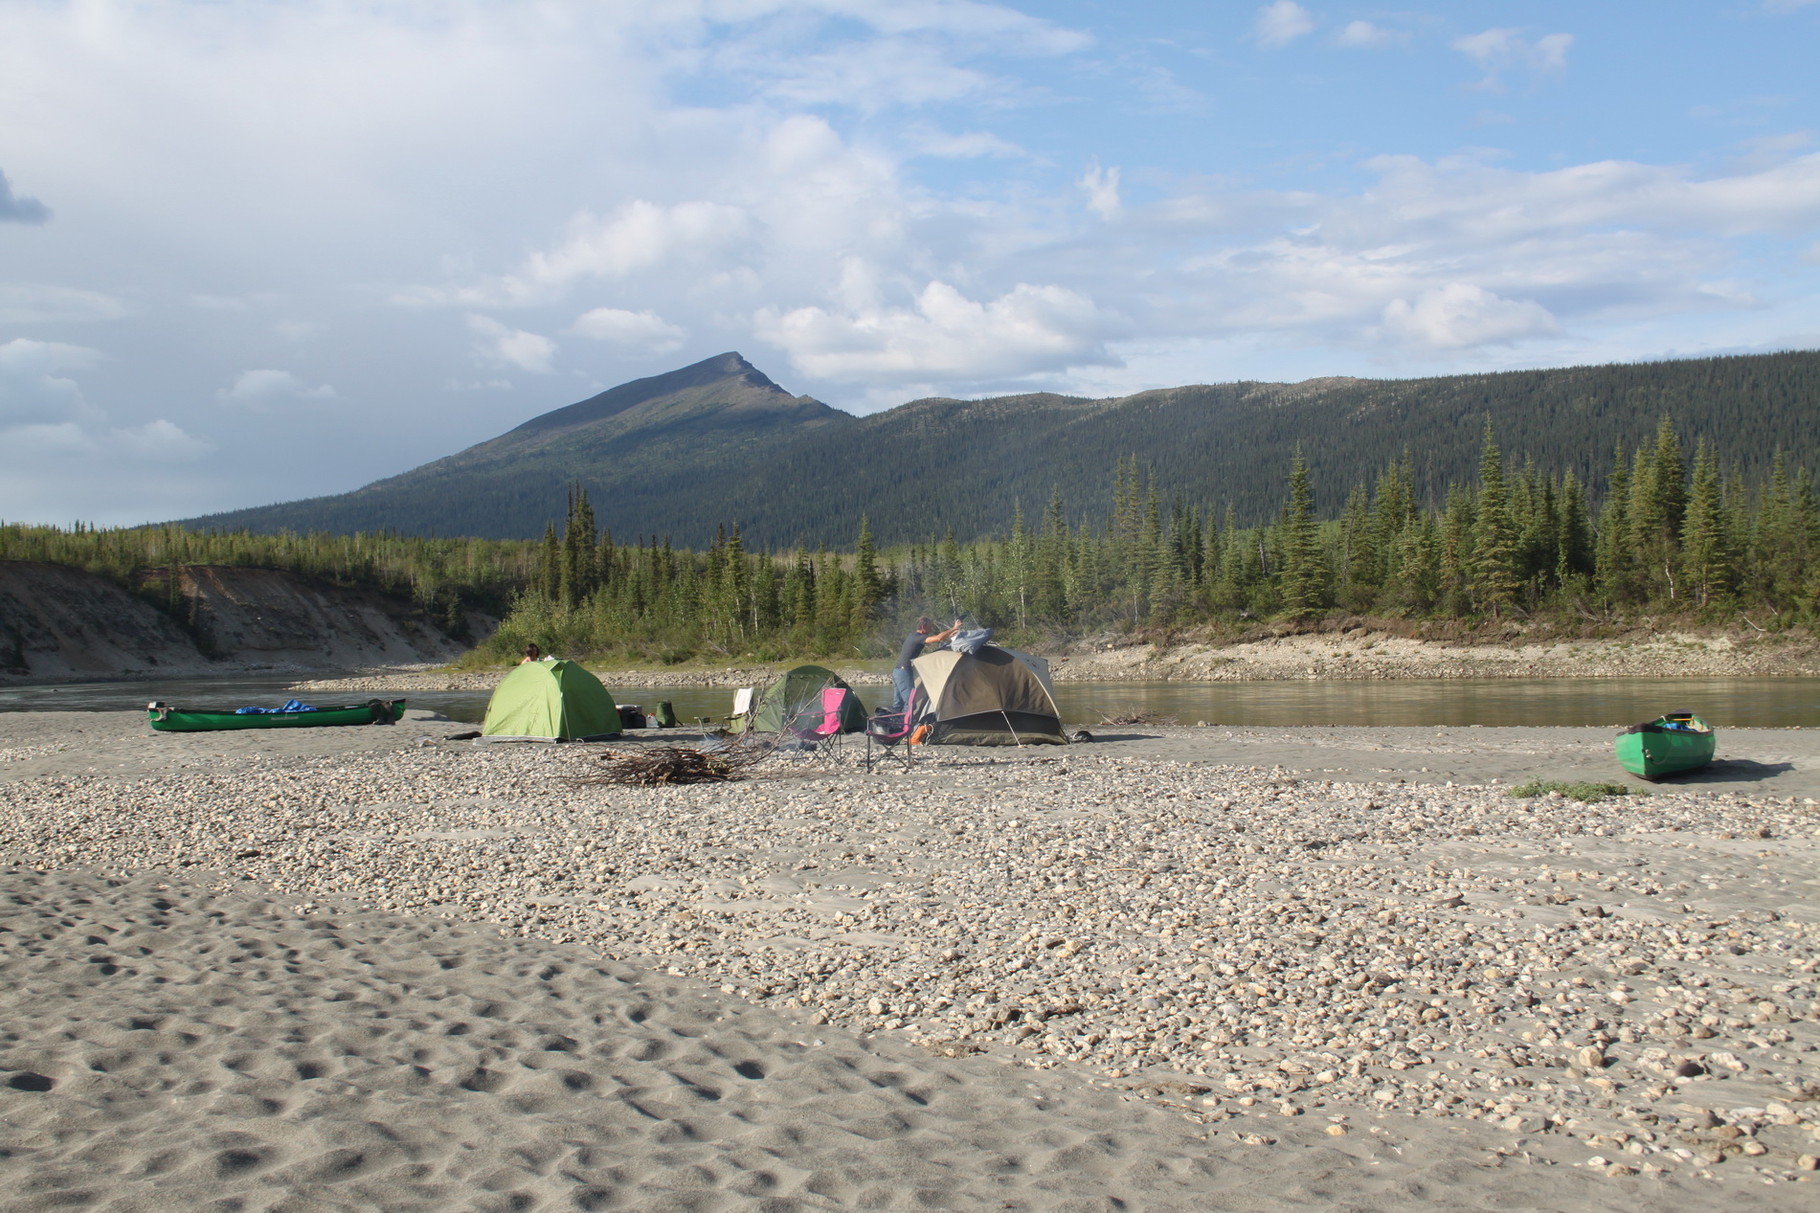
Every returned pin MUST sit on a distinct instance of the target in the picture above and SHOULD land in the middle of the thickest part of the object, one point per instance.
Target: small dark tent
(551, 701)
(993, 696)
(794, 698)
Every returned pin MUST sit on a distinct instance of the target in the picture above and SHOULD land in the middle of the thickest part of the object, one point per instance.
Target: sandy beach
(1176, 968)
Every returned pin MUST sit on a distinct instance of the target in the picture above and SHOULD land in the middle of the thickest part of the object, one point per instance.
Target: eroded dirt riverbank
(1358, 655)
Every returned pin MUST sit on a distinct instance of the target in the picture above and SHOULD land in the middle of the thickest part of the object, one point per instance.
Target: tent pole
(1012, 727)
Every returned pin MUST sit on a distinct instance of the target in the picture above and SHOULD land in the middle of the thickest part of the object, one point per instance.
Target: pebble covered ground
(1628, 986)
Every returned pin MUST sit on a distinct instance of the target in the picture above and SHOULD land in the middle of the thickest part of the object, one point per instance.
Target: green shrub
(1584, 791)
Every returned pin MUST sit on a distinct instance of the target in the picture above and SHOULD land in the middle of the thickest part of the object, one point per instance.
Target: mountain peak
(725, 379)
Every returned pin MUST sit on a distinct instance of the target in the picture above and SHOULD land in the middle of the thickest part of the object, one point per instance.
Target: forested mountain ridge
(722, 390)
(679, 455)
(676, 437)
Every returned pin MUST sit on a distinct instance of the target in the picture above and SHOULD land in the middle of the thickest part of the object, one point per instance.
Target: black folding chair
(890, 731)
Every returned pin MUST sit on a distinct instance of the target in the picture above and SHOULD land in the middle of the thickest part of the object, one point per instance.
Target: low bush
(1584, 791)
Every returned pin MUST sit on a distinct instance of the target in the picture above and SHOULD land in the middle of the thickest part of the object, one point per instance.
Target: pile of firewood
(675, 764)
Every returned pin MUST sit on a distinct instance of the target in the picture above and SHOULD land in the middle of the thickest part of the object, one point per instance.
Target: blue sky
(254, 252)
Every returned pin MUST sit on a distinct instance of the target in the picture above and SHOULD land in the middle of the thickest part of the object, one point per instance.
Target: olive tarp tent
(795, 699)
(551, 701)
(992, 696)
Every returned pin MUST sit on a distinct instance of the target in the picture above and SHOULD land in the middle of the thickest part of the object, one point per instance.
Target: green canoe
(1667, 745)
(167, 719)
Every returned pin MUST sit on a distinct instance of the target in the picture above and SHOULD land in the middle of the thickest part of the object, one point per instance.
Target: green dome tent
(795, 698)
(551, 701)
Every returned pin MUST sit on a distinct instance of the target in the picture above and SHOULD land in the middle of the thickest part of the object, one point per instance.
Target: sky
(258, 251)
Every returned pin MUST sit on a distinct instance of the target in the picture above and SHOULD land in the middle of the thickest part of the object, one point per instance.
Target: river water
(1726, 702)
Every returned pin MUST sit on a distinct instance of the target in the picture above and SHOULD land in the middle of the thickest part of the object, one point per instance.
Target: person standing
(903, 678)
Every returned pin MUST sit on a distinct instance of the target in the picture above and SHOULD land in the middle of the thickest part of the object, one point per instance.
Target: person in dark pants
(903, 678)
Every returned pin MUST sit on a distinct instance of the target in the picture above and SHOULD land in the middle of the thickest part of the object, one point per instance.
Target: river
(1726, 702)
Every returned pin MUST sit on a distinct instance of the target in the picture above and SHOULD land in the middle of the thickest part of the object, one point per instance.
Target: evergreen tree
(1706, 561)
(1456, 552)
(736, 586)
(1393, 509)
(1303, 581)
(1212, 538)
(1657, 500)
(1361, 562)
(550, 566)
(1493, 556)
(1048, 576)
(576, 580)
(1573, 533)
(868, 587)
(1613, 564)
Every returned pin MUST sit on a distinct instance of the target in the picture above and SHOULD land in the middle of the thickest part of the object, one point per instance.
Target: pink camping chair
(892, 733)
(824, 734)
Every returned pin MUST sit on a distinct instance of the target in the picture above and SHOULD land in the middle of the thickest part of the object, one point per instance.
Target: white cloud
(32, 399)
(1027, 330)
(1102, 187)
(154, 442)
(502, 345)
(895, 192)
(36, 303)
(1439, 260)
(161, 442)
(878, 75)
(645, 329)
(44, 413)
(35, 383)
(967, 21)
(968, 145)
(1365, 34)
(1468, 200)
(1499, 50)
(637, 236)
(264, 389)
(23, 443)
(906, 55)
(297, 330)
(1282, 22)
(1460, 314)
(209, 302)
(22, 355)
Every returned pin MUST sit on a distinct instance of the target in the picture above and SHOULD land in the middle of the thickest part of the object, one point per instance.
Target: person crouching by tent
(903, 676)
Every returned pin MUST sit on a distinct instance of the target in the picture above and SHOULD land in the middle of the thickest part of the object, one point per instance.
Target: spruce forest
(1674, 535)
(719, 442)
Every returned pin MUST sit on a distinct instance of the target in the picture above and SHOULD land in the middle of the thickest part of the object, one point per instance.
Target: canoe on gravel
(167, 719)
(1667, 745)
